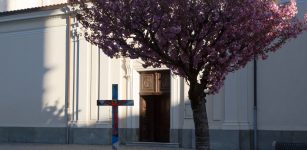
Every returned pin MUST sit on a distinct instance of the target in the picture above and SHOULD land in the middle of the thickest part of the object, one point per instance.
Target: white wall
(32, 78)
(283, 86)
(92, 76)
(33, 71)
(231, 108)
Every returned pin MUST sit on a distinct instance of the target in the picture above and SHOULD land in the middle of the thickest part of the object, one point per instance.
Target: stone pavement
(17, 146)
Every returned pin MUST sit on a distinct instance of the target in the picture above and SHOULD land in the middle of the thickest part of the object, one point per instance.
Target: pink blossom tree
(199, 40)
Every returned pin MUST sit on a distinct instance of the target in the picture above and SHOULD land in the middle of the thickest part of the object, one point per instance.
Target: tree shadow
(33, 78)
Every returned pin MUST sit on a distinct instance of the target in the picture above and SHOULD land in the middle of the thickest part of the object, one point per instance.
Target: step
(153, 144)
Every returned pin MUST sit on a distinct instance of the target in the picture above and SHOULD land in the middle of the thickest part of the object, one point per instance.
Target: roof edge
(33, 9)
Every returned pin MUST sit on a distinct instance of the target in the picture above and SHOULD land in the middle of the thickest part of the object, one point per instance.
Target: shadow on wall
(22, 73)
(32, 79)
(3, 5)
(55, 112)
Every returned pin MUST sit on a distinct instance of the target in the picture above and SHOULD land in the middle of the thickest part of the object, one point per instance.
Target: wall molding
(55, 13)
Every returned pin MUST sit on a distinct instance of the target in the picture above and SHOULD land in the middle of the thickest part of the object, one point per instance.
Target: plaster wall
(32, 63)
(282, 86)
(92, 76)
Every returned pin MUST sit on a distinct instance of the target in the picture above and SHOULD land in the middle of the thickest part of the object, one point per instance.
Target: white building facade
(51, 78)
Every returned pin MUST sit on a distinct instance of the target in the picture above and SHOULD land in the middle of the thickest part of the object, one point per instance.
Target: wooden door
(146, 119)
(162, 118)
(155, 106)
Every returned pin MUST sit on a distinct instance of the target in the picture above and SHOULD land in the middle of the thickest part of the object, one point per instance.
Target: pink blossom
(211, 38)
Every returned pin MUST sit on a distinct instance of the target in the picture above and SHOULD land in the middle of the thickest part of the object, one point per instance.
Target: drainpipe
(68, 79)
(255, 128)
(73, 36)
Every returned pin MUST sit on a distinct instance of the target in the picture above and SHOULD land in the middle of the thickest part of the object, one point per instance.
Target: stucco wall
(283, 84)
(92, 76)
(32, 63)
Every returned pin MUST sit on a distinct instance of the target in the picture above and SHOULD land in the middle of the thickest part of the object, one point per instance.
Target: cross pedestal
(115, 103)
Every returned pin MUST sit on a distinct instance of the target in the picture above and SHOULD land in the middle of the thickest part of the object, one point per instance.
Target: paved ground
(75, 147)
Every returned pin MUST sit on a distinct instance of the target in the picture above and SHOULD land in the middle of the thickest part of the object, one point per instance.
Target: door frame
(176, 99)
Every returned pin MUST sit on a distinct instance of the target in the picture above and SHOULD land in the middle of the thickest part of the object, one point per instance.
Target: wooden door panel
(162, 115)
(155, 106)
(155, 118)
(155, 83)
(146, 119)
(148, 83)
(164, 82)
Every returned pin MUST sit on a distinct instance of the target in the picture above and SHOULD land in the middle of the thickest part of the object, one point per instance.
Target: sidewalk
(15, 146)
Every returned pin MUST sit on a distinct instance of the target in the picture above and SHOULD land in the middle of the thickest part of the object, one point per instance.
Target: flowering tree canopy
(209, 38)
(199, 40)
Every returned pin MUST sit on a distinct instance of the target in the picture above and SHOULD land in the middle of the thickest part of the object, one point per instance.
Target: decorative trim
(175, 102)
(138, 66)
(37, 125)
(76, 31)
(236, 126)
(33, 15)
(220, 139)
(175, 92)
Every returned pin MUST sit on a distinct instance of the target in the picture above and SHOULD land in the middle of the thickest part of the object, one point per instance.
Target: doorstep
(153, 144)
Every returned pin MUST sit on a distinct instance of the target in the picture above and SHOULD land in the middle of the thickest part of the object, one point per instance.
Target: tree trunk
(198, 103)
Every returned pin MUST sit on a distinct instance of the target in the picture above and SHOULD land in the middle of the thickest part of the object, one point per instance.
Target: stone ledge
(153, 144)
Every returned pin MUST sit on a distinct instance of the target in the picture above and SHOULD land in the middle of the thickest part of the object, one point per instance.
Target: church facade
(51, 78)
